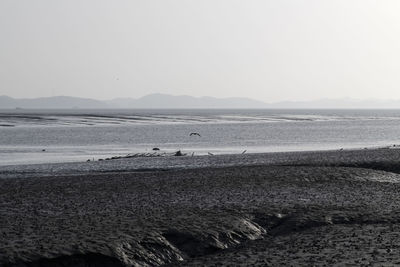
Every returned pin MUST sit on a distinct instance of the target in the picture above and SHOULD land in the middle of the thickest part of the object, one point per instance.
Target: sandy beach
(326, 208)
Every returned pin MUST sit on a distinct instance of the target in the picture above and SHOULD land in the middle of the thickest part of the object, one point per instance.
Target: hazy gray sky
(268, 50)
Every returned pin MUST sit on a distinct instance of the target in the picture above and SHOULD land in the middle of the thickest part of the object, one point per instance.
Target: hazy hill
(164, 101)
(56, 102)
(149, 101)
(183, 101)
(342, 103)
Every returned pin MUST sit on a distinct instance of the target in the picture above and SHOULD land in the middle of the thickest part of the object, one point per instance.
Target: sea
(51, 136)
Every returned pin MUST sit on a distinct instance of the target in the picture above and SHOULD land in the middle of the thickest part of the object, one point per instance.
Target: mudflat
(300, 209)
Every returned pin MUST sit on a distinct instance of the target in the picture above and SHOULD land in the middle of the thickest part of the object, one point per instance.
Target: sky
(267, 50)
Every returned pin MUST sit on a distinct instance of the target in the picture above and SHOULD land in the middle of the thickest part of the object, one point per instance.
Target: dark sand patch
(248, 215)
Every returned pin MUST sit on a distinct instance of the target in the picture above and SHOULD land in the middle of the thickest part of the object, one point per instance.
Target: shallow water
(78, 135)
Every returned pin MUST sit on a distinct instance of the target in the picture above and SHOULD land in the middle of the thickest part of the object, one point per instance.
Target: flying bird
(195, 134)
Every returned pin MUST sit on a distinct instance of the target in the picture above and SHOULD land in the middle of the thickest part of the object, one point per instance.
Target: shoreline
(144, 164)
(301, 208)
(169, 153)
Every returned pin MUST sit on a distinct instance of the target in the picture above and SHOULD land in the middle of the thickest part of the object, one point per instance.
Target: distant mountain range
(164, 101)
(149, 101)
(340, 103)
(56, 102)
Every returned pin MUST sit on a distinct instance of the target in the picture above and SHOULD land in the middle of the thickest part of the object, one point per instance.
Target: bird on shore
(191, 134)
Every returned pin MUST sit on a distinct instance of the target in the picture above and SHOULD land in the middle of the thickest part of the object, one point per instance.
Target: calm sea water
(78, 135)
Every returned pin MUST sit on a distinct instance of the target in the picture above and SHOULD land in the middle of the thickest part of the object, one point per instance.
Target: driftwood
(146, 155)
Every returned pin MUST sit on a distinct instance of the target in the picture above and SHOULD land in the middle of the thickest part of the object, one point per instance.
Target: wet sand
(280, 209)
